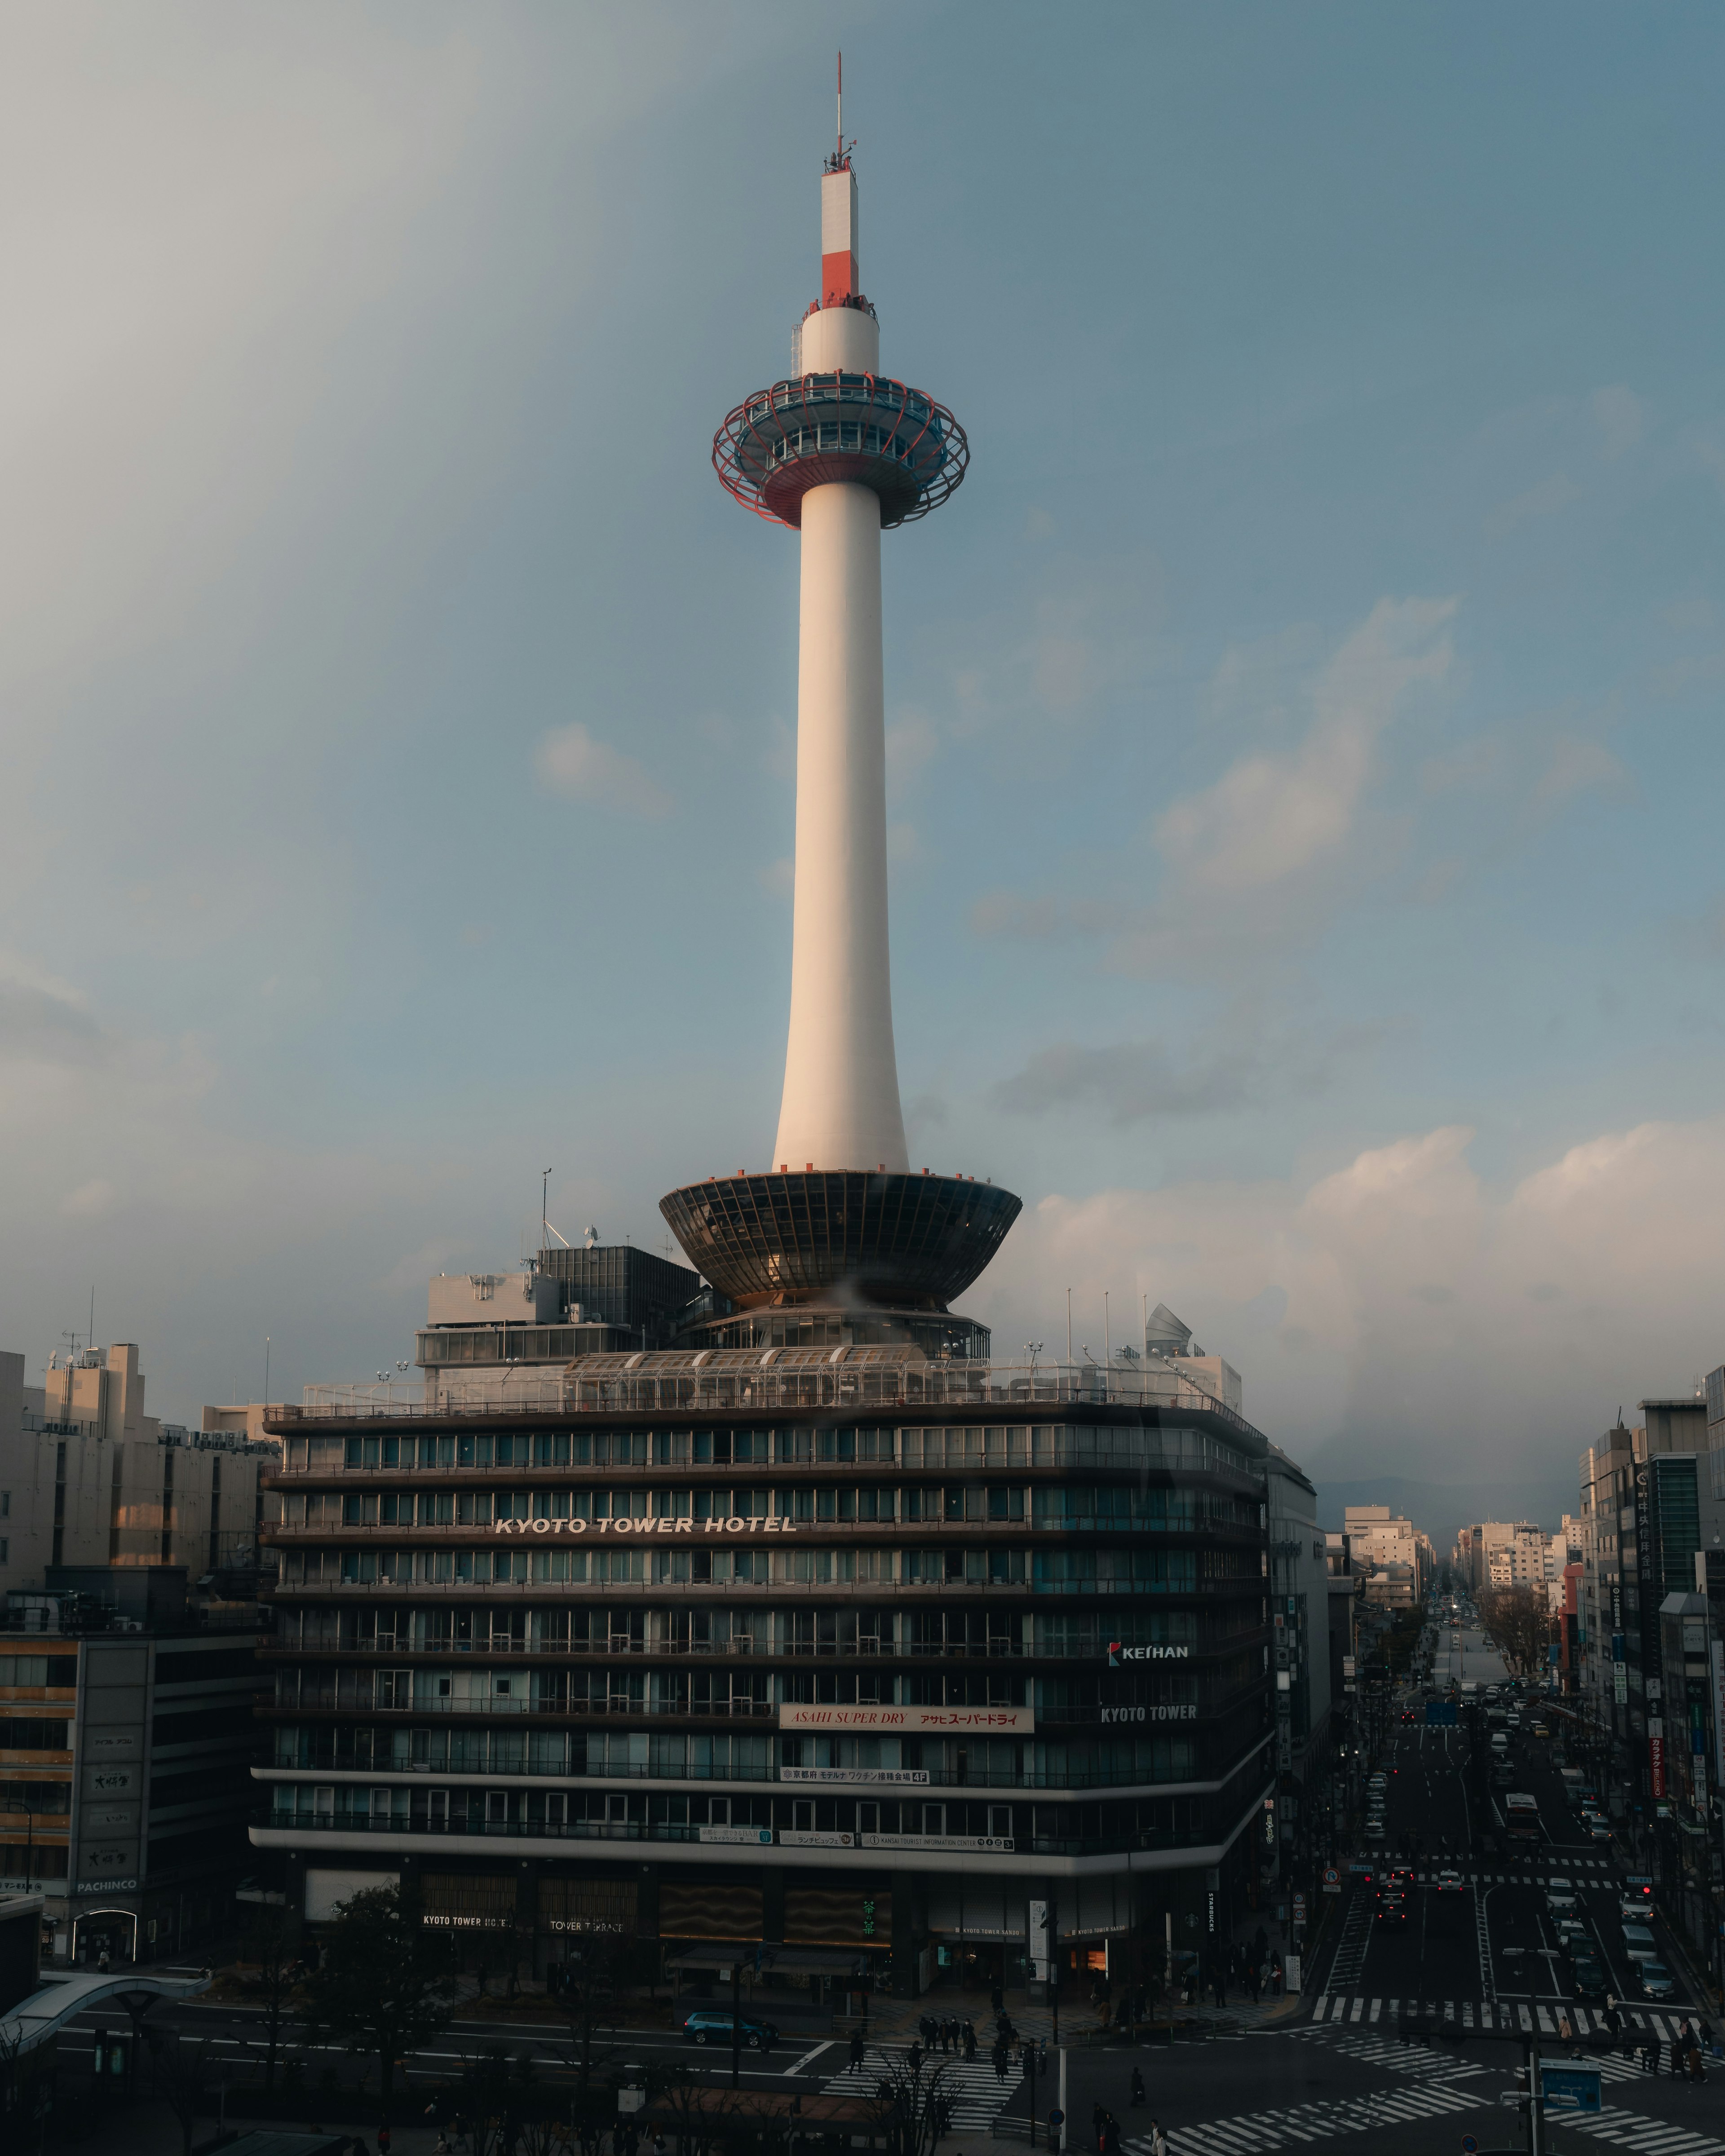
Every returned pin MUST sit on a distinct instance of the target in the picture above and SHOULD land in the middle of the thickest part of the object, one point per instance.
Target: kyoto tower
(839, 453)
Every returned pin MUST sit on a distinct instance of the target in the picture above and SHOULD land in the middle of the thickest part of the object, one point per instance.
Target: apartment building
(87, 1477)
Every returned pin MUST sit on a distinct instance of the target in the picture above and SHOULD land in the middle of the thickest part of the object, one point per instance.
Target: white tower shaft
(840, 1108)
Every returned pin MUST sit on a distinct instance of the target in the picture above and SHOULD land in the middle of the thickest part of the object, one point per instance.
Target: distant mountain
(1441, 1508)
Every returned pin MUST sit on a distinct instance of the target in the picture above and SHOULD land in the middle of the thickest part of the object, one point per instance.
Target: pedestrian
(1650, 2049)
(1137, 2095)
(969, 2043)
(999, 2058)
(859, 2050)
(384, 2137)
(1252, 1979)
(102, 1961)
(1680, 2043)
(1158, 2140)
(913, 2060)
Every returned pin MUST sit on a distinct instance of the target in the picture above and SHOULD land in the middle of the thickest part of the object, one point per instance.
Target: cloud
(1255, 862)
(1131, 1080)
(1621, 417)
(1046, 917)
(90, 1200)
(571, 762)
(1544, 499)
(1246, 1057)
(1419, 1302)
(1270, 817)
(43, 1019)
(911, 743)
(1580, 766)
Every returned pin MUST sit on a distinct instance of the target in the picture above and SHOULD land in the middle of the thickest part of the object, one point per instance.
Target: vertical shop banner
(1717, 1656)
(1656, 1764)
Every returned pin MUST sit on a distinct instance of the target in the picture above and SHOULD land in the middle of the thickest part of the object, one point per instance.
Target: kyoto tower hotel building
(817, 1640)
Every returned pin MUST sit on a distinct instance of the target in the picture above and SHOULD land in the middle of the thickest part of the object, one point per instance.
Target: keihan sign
(1117, 1654)
(755, 1523)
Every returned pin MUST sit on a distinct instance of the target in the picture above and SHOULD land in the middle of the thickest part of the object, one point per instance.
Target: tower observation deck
(839, 452)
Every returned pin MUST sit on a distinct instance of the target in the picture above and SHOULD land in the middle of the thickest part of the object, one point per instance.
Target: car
(1451, 1882)
(1399, 1879)
(1540, 1730)
(1503, 1775)
(1656, 1980)
(1598, 1831)
(1639, 1942)
(1588, 1978)
(1631, 1909)
(1392, 1909)
(706, 2026)
(1573, 1935)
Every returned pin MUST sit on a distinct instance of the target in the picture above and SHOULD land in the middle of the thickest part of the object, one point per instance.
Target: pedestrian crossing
(1395, 2055)
(1586, 1870)
(973, 2089)
(1648, 2137)
(1501, 2017)
(1380, 2112)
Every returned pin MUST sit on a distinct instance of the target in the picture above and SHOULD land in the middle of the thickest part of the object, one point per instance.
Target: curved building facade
(864, 1665)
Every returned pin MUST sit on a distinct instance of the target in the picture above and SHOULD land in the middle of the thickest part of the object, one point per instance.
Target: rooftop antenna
(544, 1206)
(840, 152)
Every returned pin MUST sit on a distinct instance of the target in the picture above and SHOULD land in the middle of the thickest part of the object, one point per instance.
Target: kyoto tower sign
(839, 453)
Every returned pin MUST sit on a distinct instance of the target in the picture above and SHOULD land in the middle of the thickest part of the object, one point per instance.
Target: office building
(126, 1739)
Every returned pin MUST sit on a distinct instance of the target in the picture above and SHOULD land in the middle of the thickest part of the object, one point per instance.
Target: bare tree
(26, 2083)
(1519, 1620)
(179, 2073)
(590, 1991)
(916, 2107)
(272, 1972)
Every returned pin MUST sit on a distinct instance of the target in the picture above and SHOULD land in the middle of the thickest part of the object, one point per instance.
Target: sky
(1304, 723)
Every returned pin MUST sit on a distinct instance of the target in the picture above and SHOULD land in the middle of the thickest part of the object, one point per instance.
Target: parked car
(1656, 1980)
(707, 2025)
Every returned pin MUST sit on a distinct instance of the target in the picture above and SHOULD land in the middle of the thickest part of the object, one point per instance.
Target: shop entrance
(112, 1931)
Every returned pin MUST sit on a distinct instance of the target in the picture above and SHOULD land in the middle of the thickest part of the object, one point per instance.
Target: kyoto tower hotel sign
(839, 453)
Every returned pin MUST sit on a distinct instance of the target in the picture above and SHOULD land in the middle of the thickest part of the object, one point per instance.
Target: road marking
(1253, 2133)
(807, 2055)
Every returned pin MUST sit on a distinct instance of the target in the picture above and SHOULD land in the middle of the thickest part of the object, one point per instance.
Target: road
(1488, 1954)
